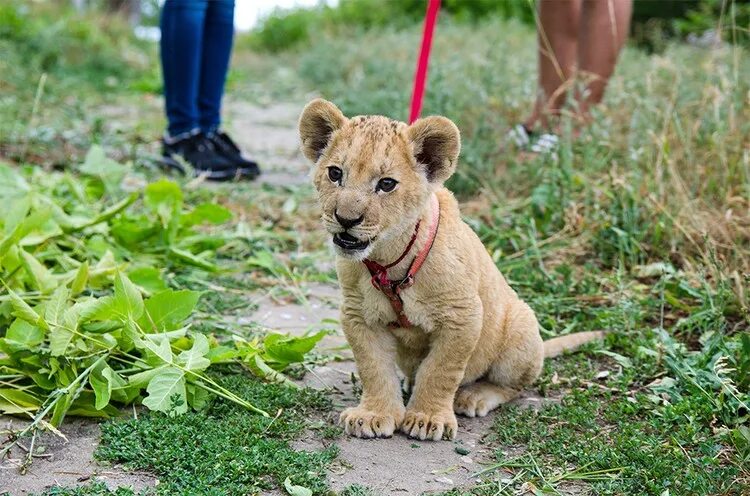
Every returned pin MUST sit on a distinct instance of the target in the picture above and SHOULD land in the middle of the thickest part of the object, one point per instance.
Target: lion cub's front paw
(361, 422)
(434, 427)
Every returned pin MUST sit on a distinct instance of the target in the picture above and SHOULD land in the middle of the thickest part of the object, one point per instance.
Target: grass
(221, 450)
(641, 227)
(224, 450)
(94, 489)
(54, 65)
(611, 438)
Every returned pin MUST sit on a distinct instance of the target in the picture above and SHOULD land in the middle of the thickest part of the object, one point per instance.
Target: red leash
(379, 273)
(433, 7)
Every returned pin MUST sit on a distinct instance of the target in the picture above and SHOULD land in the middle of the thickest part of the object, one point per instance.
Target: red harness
(392, 289)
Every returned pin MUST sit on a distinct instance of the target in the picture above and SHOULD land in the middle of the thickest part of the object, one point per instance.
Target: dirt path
(64, 462)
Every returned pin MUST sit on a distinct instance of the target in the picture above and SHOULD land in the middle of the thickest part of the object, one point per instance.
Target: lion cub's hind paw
(422, 426)
(477, 400)
(367, 424)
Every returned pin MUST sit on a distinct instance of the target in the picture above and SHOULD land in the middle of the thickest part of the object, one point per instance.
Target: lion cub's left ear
(319, 120)
(437, 143)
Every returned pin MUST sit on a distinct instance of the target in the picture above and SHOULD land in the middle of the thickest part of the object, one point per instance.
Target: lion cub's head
(374, 174)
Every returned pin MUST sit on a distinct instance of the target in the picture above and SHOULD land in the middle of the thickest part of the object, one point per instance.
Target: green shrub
(89, 49)
(653, 22)
(285, 29)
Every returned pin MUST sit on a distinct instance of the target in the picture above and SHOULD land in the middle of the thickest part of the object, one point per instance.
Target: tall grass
(662, 173)
(52, 60)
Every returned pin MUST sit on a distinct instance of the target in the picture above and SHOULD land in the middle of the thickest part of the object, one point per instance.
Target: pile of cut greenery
(87, 321)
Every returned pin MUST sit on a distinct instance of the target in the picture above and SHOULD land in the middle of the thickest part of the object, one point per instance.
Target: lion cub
(455, 328)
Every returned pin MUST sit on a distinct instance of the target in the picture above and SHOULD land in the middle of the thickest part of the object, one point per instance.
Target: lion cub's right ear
(319, 120)
(436, 143)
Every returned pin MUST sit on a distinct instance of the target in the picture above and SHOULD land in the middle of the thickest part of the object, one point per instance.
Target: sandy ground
(392, 466)
(64, 462)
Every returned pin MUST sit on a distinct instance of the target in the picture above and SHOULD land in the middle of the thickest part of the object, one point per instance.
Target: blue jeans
(196, 42)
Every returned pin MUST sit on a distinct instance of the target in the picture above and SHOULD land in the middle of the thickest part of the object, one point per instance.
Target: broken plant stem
(40, 415)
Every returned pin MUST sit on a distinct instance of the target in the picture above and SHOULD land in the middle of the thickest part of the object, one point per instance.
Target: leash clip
(406, 282)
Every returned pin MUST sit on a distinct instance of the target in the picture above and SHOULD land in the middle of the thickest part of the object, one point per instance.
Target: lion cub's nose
(348, 223)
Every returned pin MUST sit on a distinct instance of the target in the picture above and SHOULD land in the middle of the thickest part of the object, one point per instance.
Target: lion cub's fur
(474, 344)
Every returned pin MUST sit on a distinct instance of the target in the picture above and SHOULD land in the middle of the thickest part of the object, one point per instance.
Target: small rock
(467, 460)
(462, 450)
(444, 480)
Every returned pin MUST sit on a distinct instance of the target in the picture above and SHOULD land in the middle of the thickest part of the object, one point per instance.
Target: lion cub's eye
(386, 185)
(335, 174)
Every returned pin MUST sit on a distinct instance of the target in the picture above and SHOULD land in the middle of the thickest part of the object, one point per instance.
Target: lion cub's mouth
(348, 242)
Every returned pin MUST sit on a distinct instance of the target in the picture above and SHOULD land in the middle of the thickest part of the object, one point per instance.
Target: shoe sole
(168, 162)
(249, 174)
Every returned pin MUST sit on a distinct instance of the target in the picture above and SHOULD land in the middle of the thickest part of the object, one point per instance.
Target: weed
(358, 490)
(230, 451)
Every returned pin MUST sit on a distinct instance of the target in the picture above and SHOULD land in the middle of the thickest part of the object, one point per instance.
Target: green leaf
(197, 397)
(81, 278)
(14, 401)
(96, 309)
(97, 164)
(59, 340)
(195, 359)
(260, 368)
(11, 259)
(159, 346)
(102, 390)
(130, 231)
(296, 490)
(63, 321)
(23, 311)
(106, 263)
(286, 349)
(128, 300)
(222, 354)
(104, 381)
(164, 198)
(166, 392)
(102, 274)
(191, 259)
(207, 212)
(24, 335)
(16, 212)
(128, 335)
(107, 214)
(148, 279)
(55, 307)
(623, 361)
(61, 407)
(41, 277)
(141, 379)
(12, 183)
(34, 221)
(84, 405)
(167, 310)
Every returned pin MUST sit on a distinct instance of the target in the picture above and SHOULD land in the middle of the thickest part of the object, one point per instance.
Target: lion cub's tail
(556, 346)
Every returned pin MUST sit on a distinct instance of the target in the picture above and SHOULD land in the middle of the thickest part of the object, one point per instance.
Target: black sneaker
(224, 144)
(198, 151)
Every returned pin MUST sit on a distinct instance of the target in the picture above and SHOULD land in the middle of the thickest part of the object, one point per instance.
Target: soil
(63, 462)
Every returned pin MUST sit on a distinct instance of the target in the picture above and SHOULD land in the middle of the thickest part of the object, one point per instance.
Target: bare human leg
(604, 29)
(558, 26)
